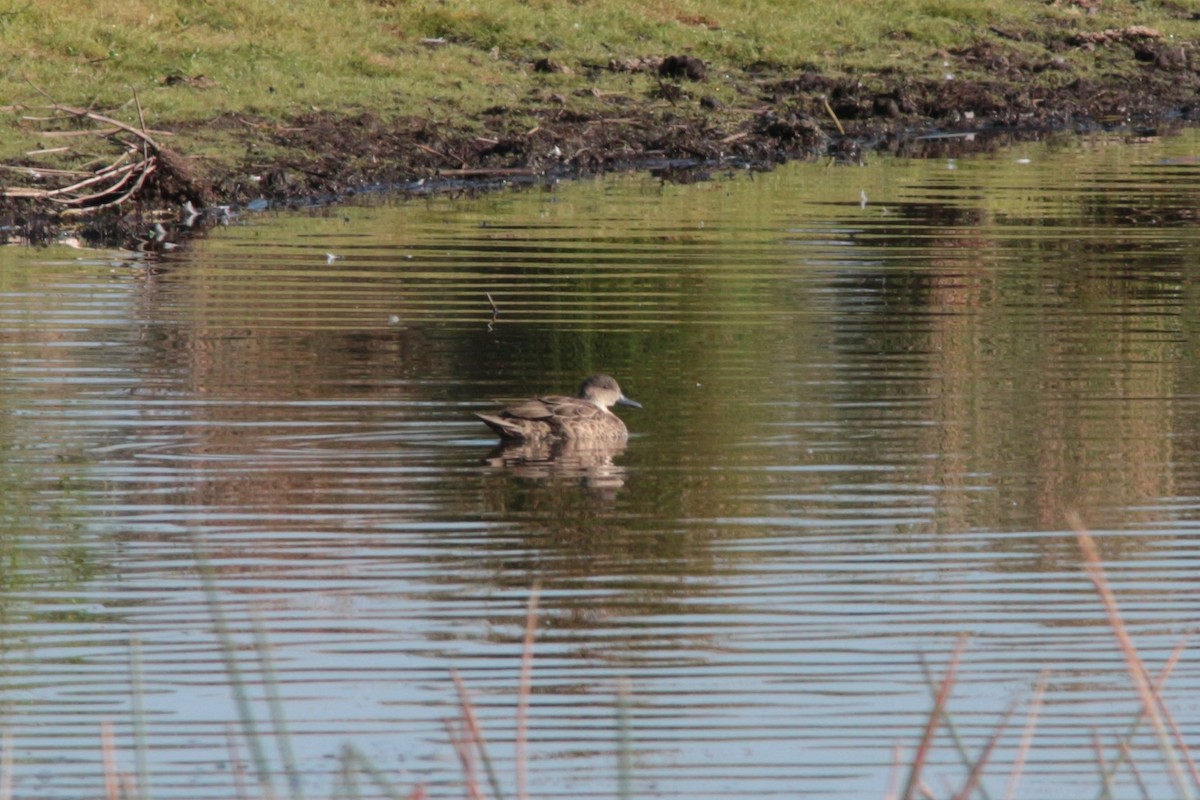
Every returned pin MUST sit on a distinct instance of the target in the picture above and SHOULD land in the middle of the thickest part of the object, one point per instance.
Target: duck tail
(503, 427)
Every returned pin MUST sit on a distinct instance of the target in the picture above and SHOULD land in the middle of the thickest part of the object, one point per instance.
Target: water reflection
(862, 424)
(589, 464)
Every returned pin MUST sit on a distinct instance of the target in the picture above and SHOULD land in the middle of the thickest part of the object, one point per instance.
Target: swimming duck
(582, 418)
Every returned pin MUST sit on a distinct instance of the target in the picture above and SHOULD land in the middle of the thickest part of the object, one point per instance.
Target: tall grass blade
(976, 775)
(346, 787)
(894, 779)
(476, 730)
(1131, 731)
(459, 742)
(624, 743)
(6, 765)
(522, 765)
(283, 738)
(353, 755)
(1177, 734)
(108, 755)
(1133, 662)
(951, 726)
(136, 692)
(1108, 775)
(931, 726)
(237, 765)
(1035, 707)
(1127, 754)
(236, 682)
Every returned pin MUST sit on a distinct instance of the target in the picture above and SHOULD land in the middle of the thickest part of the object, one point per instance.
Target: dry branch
(114, 180)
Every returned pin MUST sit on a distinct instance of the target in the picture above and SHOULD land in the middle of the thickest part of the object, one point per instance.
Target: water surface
(871, 393)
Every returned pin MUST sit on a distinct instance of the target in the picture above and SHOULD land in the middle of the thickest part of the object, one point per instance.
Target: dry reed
(467, 737)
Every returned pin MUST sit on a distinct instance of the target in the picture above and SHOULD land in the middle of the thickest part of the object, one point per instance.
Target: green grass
(271, 60)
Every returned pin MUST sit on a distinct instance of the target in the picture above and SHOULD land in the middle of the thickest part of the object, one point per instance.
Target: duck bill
(625, 401)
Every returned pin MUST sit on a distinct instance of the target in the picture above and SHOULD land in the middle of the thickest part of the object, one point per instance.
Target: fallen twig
(499, 172)
(829, 110)
(92, 115)
(495, 311)
(108, 172)
(141, 180)
(112, 182)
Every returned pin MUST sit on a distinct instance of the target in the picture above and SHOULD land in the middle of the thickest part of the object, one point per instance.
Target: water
(871, 395)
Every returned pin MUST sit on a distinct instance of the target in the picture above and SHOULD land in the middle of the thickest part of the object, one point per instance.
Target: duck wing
(528, 419)
(538, 408)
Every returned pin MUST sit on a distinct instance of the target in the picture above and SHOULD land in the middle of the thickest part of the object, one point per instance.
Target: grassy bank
(228, 80)
(194, 60)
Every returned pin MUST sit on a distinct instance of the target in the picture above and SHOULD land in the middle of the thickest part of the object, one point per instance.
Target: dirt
(679, 130)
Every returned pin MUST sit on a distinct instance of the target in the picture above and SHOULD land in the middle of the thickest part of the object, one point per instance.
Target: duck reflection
(590, 464)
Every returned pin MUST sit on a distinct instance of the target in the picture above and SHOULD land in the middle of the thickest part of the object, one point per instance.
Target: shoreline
(672, 121)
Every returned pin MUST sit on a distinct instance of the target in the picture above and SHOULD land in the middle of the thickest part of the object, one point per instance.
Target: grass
(193, 61)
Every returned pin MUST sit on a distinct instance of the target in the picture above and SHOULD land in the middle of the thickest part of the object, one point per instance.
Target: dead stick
(79, 112)
(836, 121)
(138, 185)
(47, 171)
(141, 119)
(132, 190)
(438, 153)
(96, 178)
(126, 175)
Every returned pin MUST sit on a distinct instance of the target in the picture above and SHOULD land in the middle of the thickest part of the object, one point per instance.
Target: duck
(584, 418)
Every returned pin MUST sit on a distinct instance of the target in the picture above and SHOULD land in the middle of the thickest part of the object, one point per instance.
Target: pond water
(871, 395)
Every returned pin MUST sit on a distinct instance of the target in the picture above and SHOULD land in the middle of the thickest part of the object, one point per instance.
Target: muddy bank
(678, 129)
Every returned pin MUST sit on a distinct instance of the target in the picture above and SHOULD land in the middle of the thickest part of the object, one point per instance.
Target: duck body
(585, 418)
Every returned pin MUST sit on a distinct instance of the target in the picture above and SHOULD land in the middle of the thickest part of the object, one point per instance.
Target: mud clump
(688, 67)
